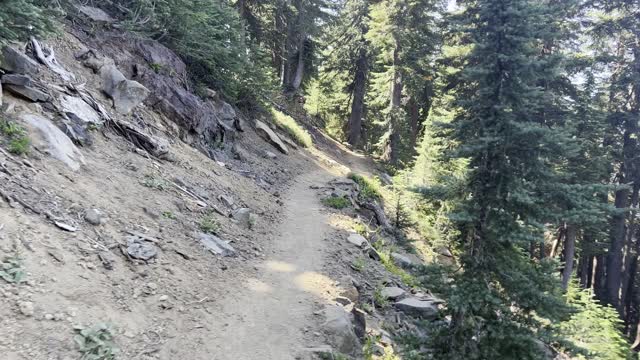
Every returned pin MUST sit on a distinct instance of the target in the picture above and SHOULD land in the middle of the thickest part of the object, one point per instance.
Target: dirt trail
(269, 313)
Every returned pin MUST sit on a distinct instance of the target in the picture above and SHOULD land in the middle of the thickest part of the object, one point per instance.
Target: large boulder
(46, 136)
(126, 94)
(339, 329)
(265, 131)
(14, 61)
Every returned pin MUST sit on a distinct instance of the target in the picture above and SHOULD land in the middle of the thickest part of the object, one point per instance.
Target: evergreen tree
(20, 19)
(512, 156)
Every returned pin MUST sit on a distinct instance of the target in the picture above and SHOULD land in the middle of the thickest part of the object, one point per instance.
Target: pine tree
(20, 19)
(512, 156)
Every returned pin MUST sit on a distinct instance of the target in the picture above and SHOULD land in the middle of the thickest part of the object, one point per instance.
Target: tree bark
(569, 253)
(297, 79)
(392, 149)
(354, 135)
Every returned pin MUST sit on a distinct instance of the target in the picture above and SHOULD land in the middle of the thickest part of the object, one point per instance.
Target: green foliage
(336, 202)
(12, 269)
(288, 124)
(154, 182)
(593, 330)
(20, 19)
(210, 37)
(394, 269)
(370, 189)
(378, 299)
(358, 264)
(18, 141)
(209, 224)
(96, 342)
(169, 215)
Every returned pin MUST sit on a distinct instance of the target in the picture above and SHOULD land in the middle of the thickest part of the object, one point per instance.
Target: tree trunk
(569, 253)
(598, 278)
(556, 242)
(354, 135)
(614, 256)
(414, 122)
(297, 79)
(392, 149)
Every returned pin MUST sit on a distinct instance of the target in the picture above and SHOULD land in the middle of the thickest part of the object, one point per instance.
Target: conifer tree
(512, 156)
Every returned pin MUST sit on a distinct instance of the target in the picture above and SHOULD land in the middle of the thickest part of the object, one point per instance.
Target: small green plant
(336, 202)
(369, 188)
(156, 67)
(332, 356)
(12, 269)
(153, 182)
(19, 142)
(358, 264)
(361, 229)
(380, 300)
(96, 342)
(209, 224)
(287, 123)
(252, 222)
(387, 262)
(169, 215)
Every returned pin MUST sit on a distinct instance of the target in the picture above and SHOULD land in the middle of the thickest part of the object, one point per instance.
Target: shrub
(209, 225)
(21, 18)
(96, 342)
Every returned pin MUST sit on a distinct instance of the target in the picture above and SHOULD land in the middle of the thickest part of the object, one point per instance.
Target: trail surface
(270, 313)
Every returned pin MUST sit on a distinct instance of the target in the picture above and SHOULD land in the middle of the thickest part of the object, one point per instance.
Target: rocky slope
(166, 216)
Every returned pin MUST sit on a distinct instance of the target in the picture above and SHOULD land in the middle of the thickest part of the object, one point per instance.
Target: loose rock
(27, 92)
(417, 307)
(226, 200)
(140, 249)
(358, 240)
(243, 216)
(216, 245)
(26, 308)
(93, 217)
(126, 94)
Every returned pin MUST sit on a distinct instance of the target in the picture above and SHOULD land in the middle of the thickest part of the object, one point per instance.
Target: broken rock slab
(417, 307)
(16, 79)
(265, 131)
(216, 245)
(82, 110)
(126, 94)
(28, 92)
(46, 136)
(244, 217)
(139, 249)
(14, 61)
(95, 14)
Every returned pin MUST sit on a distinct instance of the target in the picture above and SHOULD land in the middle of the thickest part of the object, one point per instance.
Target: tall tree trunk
(297, 79)
(598, 279)
(414, 122)
(391, 153)
(354, 125)
(569, 253)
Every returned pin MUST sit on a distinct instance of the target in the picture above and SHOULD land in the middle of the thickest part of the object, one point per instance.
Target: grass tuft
(209, 225)
(96, 342)
(19, 142)
(336, 202)
(287, 123)
(370, 189)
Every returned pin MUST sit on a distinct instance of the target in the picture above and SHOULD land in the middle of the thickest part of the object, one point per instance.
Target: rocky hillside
(136, 213)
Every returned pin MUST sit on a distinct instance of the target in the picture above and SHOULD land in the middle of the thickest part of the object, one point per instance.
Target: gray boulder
(93, 217)
(126, 94)
(358, 240)
(265, 131)
(392, 292)
(46, 136)
(339, 330)
(417, 307)
(95, 14)
(216, 245)
(406, 261)
(244, 217)
(14, 61)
